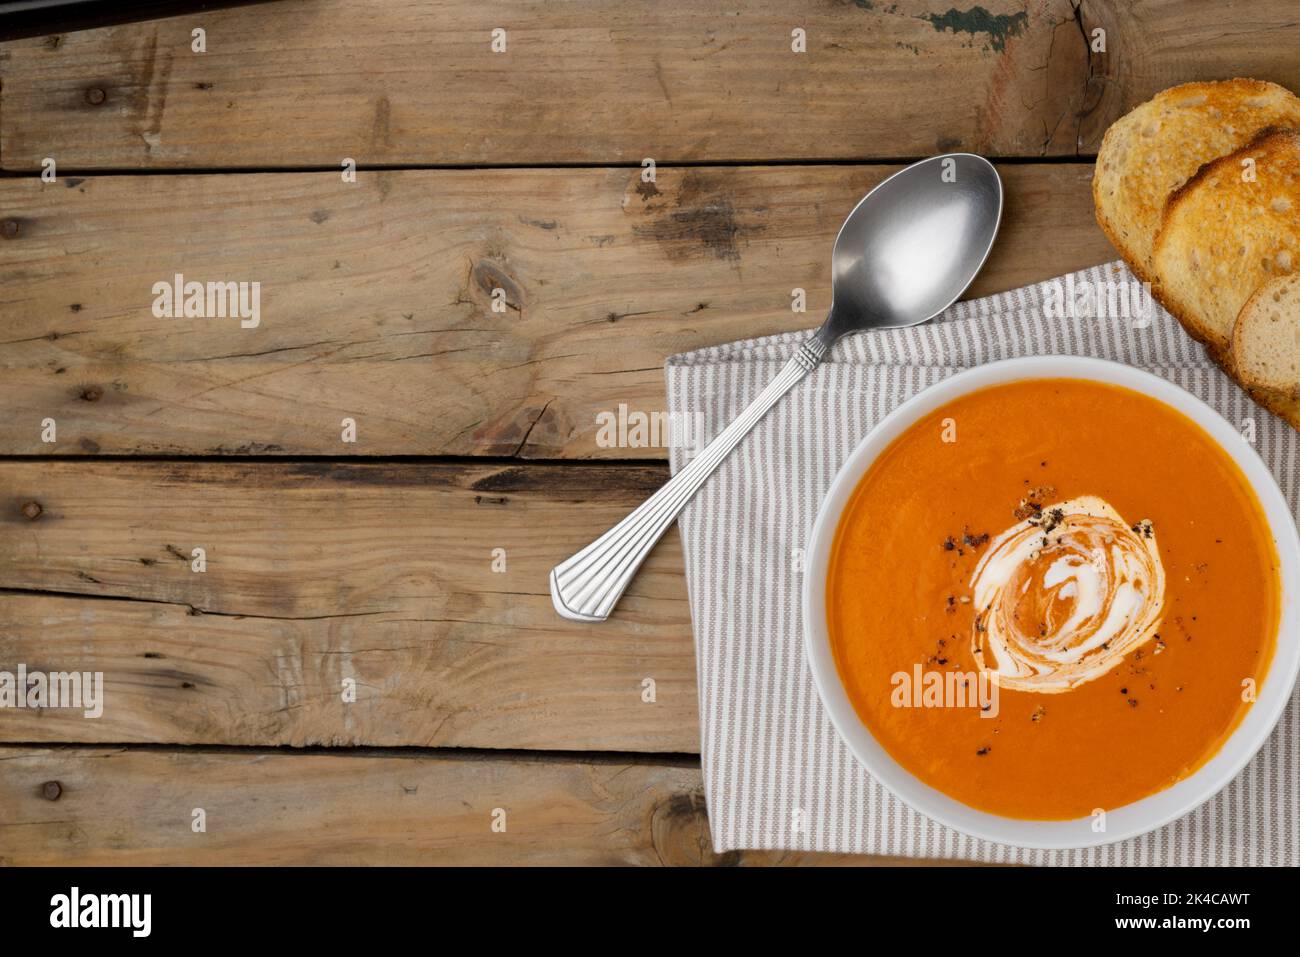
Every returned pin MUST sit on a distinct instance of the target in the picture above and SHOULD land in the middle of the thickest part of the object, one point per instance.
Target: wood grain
(416, 82)
(376, 299)
(1155, 44)
(116, 806)
(318, 573)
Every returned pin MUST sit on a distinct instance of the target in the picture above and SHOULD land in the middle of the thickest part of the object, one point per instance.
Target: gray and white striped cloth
(767, 745)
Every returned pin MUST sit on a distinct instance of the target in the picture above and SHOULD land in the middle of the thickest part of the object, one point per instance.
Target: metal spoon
(905, 254)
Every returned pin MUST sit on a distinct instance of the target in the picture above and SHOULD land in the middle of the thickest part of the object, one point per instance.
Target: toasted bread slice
(1266, 337)
(1228, 230)
(1157, 147)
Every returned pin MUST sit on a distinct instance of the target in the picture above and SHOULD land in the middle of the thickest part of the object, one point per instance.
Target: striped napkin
(776, 773)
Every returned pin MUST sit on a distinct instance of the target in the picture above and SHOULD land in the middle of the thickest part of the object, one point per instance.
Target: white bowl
(1132, 819)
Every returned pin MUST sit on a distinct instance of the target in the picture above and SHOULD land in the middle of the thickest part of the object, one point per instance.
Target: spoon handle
(588, 585)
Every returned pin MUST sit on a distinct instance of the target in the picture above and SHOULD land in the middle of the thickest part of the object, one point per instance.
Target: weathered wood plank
(117, 806)
(376, 299)
(318, 573)
(417, 82)
(1155, 44)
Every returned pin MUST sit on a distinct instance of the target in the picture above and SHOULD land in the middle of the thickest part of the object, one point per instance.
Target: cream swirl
(1063, 596)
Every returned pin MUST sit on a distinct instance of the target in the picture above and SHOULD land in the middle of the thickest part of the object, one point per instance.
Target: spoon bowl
(914, 243)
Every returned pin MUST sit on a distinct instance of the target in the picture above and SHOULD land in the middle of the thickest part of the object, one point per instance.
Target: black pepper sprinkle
(983, 751)
(1053, 521)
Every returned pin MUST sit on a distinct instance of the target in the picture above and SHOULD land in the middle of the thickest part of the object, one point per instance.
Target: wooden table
(484, 177)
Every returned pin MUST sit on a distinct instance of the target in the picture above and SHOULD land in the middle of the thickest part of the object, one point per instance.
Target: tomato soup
(1052, 596)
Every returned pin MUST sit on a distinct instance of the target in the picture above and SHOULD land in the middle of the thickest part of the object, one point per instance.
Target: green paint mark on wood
(978, 20)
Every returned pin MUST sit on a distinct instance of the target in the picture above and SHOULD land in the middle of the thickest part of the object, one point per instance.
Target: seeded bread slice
(1157, 147)
(1228, 230)
(1266, 337)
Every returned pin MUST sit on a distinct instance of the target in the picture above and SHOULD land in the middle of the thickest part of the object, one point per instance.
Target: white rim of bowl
(1131, 820)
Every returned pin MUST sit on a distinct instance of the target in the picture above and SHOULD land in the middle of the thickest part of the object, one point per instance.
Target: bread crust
(1283, 406)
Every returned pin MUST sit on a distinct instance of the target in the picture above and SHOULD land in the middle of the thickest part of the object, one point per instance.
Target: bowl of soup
(1050, 602)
